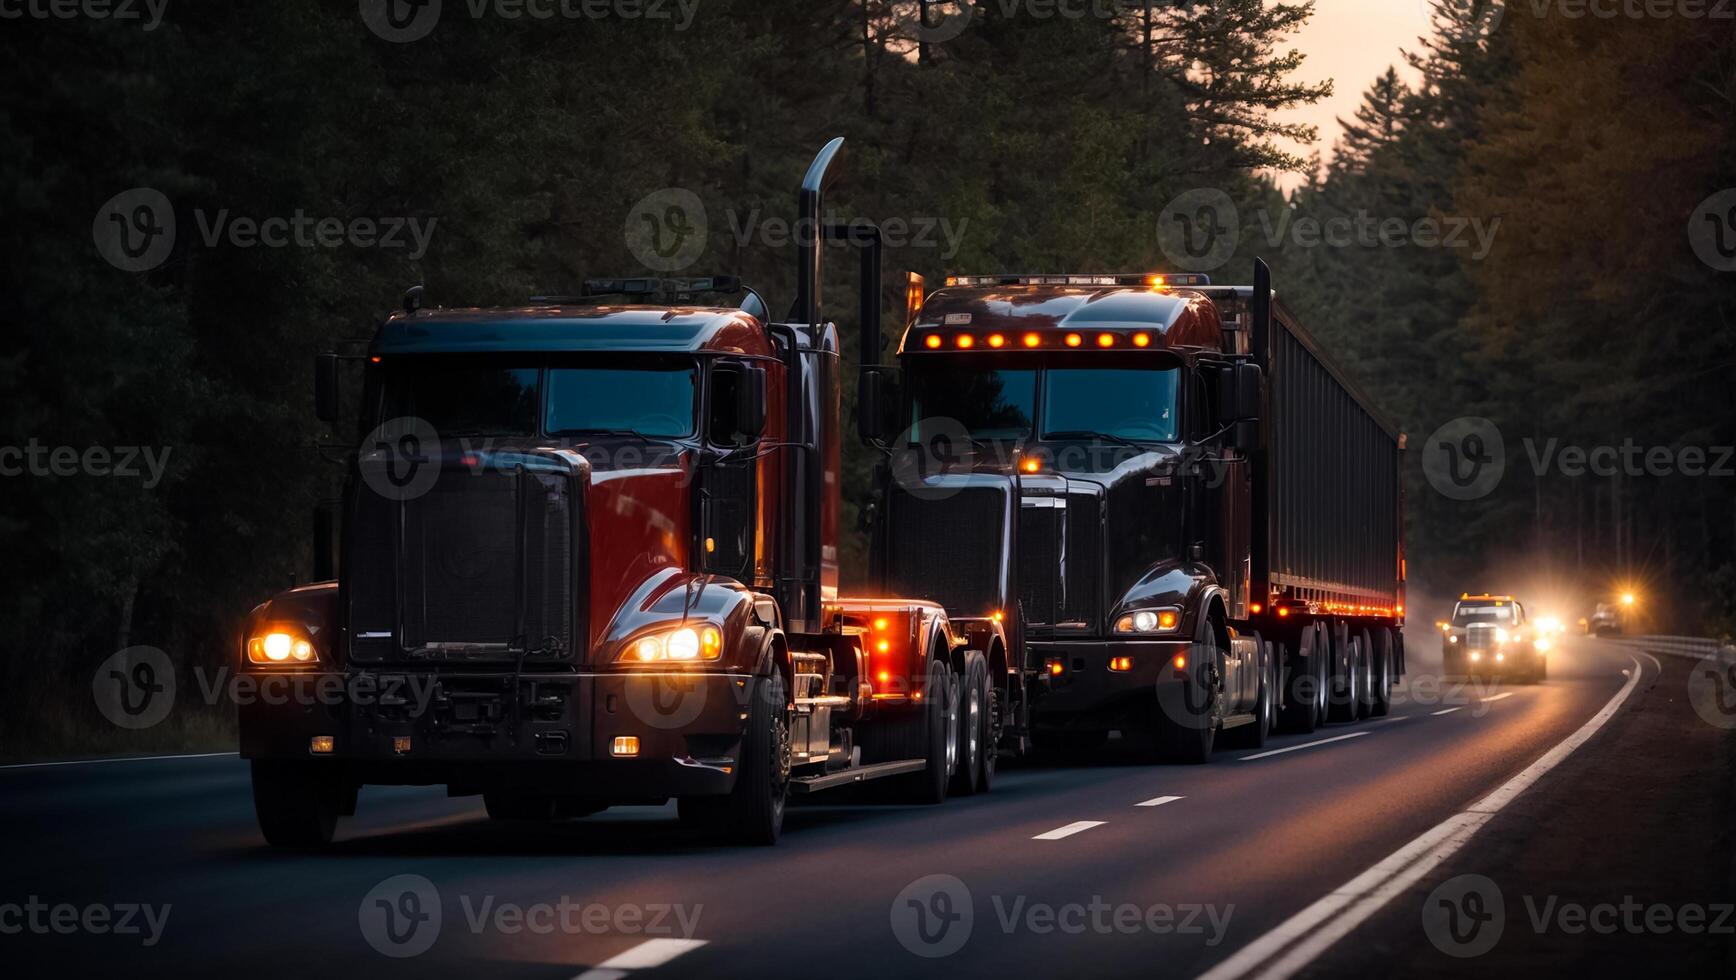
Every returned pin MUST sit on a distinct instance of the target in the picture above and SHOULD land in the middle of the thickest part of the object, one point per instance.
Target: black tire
(752, 814)
(1369, 674)
(929, 732)
(996, 726)
(1254, 736)
(1303, 710)
(1347, 690)
(1384, 668)
(1279, 653)
(974, 744)
(1184, 717)
(297, 803)
(518, 806)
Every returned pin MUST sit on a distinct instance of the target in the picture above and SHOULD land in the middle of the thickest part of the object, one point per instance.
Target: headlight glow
(684, 645)
(281, 645)
(1149, 621)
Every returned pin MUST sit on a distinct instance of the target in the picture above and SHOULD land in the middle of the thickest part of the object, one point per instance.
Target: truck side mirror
(325, 388)
(1241, 392)
(873, 398)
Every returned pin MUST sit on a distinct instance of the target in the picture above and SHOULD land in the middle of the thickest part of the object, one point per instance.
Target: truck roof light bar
(1151, 280)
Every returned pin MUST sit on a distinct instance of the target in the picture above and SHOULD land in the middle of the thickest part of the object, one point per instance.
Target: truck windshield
(459, 399)
(1501, 615)
(656, 402)
(988, 404)
(1136, 404)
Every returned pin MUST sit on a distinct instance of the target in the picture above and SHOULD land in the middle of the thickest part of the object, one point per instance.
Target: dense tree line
(1020, 142)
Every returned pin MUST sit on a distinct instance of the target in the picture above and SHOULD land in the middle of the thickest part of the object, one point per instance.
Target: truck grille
(1479, 637)
(481, 567)
(1061, 560)
(948, 550)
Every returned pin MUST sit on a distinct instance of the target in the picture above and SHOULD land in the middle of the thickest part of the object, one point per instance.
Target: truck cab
(1494, 636)
(589, 557)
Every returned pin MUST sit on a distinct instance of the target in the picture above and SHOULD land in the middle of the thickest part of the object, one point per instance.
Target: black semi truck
(1186, 517)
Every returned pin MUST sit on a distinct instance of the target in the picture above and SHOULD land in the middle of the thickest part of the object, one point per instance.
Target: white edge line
(1304, 745)
(1507, 694)
(104, 762)
(647, 955)
(1069, 830)
(1446, 711)
(1316, 928)
(1160, 801)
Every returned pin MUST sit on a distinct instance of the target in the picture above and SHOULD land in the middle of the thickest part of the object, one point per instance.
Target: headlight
(1500, 635)
(1149, 621)
(685, 645)
(1452, 639)
(281, 645)
(1543, 643)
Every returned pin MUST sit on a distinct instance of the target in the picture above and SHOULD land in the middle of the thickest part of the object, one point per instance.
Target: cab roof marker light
(1144, 279)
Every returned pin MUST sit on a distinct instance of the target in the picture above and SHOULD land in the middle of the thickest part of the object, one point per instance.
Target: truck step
(861, 774)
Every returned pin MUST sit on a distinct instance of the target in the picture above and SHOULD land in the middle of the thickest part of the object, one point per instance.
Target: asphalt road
(1168, 889)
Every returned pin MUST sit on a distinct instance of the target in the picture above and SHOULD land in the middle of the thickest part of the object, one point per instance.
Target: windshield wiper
(1089, 434)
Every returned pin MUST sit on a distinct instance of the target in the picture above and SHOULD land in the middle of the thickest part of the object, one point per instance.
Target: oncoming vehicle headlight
(685, 645)
(281, 646)
(1500, 635)
(1149, 621)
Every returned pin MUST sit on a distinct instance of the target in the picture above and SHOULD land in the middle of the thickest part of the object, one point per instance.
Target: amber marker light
(1106, 340)
(1056, 668)
(1283, 611)
(881, 623)
(966, 341)
(1157, 282)
(1031, 466)
(1121, 664)
(1033, 340)
(1142, 340)
(997, 341)
(933, 341)
(1180, 661)
(1254, 607)
(1074, 340)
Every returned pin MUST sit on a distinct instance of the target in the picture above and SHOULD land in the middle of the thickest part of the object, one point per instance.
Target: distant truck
(590, 557)
(1495, 636)
(1605, 620)
(1189, 521)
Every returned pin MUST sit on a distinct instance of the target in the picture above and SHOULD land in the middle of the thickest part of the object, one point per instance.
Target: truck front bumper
(612, 737)
(1085, 684)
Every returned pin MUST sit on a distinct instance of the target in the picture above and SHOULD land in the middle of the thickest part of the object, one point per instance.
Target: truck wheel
(1304, 707)
(974, 745)
(296, 802)
(518, 806)
(930, 733)
(1254, 736)
(1368, 673)
(1185, 722)
(752, 813)
(1347, 696)
(1384, 668)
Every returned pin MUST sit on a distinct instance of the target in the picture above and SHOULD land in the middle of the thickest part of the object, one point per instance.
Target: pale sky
(1352, 42)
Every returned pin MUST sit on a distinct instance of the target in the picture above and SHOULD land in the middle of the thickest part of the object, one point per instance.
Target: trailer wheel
(1384, 668)
(928, 732)
(975, 745)
(297, 803)
(1368, 674)
(1304, 707)
(1347, 697)
(1185, 717)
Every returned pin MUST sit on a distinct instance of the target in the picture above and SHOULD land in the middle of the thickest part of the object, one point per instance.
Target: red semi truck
(589, 557)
